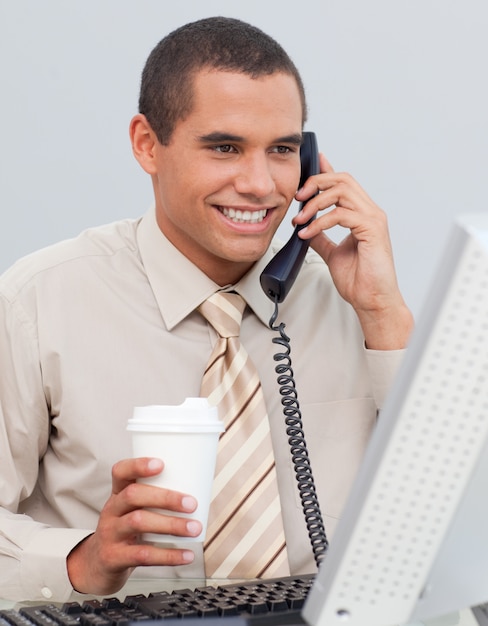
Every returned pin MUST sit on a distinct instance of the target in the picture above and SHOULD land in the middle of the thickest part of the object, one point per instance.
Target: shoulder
(50, 263)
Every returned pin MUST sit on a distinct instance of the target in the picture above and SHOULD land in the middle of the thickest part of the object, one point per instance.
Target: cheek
(289, 188)
(288, 178)
(179, 192)
(202, 179)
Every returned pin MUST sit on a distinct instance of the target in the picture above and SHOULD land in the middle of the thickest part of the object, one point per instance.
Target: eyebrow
(222, 137)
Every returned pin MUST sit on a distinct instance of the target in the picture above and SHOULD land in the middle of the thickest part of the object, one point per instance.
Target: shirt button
(46, 593)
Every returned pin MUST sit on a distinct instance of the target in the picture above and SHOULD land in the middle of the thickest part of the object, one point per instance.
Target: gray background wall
(397, 91)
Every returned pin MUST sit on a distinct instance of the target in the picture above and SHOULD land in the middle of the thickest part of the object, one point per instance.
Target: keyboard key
(14, 618)
(93, 619)
(92, 606)
(36, 615)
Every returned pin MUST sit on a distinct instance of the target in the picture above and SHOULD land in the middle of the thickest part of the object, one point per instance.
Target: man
(92, 327)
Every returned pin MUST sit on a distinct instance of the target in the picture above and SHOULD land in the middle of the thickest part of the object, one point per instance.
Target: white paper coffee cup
(185, 437)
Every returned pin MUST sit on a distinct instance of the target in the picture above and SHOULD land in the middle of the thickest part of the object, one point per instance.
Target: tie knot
(224, 312)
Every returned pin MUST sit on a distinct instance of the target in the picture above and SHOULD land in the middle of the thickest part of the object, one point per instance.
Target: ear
(144, 142)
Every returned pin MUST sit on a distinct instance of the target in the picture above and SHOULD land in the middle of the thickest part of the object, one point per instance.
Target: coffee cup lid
(193, 415)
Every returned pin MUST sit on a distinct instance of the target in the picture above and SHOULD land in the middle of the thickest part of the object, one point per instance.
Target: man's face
(230, 171)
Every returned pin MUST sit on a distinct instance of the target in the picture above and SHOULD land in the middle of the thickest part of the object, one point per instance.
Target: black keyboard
(270, 602)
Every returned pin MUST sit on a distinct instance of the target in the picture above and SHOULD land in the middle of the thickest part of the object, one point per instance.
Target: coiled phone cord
(296, 440)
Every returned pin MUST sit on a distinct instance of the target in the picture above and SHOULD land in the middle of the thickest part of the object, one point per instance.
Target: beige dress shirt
(91, 327)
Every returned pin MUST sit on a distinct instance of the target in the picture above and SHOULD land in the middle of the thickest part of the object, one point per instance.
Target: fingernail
(187, 556)
(189, 503)
(154, 464)
(194, 528)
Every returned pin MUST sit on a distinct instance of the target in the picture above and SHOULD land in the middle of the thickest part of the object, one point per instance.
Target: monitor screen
(413, 540)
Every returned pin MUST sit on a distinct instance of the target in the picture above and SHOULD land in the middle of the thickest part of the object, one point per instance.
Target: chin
(247, 258)
(252, 251)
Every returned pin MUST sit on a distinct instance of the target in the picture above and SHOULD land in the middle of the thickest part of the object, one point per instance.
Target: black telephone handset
(279, 275)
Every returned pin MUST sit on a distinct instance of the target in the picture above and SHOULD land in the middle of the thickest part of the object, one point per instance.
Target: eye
(283, 150)
(225, 148)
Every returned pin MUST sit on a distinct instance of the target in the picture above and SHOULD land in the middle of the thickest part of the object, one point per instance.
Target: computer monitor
(412, 543)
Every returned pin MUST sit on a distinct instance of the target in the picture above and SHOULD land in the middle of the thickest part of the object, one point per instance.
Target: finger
(142, 521)
(310, 187)
(337, 216)
(140, 495)
(143, 555)
(119, 556)
(123, 521)
(325, 165)
(336, 191)
(328, 180)
(129, 470)
(323, 245)
(365, 228)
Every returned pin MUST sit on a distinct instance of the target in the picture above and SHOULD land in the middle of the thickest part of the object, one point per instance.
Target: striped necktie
(245, 536)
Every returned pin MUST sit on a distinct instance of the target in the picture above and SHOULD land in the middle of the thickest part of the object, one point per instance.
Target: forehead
(233, 97)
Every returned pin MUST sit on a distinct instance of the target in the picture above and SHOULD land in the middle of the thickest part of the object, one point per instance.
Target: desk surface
(145, 586)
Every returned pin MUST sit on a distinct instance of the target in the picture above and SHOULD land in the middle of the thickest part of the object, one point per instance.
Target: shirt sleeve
(383, 367)
(32, 555)
(33, 558)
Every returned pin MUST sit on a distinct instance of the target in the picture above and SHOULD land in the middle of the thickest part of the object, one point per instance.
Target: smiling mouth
(244, 217)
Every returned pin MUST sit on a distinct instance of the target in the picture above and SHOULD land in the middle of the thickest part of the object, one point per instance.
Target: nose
(255, 176)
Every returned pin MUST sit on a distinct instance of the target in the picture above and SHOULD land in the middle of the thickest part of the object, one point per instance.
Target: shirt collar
(180, 287)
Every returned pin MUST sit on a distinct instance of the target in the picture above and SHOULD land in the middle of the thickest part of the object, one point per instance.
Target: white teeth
(250, 217)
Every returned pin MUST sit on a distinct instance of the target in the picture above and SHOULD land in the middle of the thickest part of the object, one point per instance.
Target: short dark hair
(220, 43)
